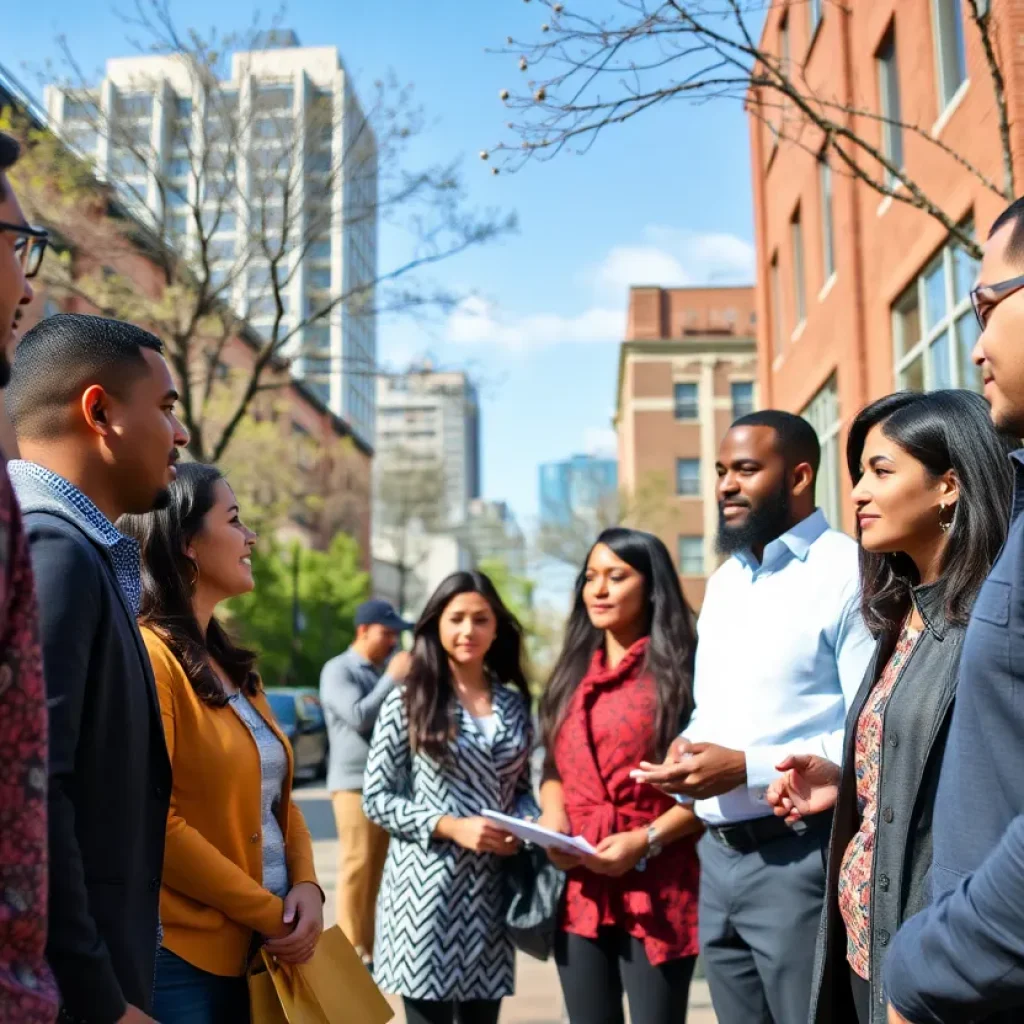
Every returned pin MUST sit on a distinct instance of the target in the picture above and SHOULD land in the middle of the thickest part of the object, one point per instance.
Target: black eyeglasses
(986, 297)
(29, 246)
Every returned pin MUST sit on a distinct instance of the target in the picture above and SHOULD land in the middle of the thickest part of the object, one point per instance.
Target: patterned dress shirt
(124, 551)
(28, 994)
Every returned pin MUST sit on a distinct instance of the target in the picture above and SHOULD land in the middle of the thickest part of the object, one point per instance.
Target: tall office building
(282, 145)
(493, 535)
(578, 488)
(429, 418)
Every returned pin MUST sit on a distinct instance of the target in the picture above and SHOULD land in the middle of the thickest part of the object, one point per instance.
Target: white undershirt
(487, 724)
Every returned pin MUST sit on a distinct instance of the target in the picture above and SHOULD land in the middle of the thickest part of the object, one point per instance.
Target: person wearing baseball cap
(353, 686)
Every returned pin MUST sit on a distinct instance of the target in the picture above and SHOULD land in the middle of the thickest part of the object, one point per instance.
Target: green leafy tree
(301, 612)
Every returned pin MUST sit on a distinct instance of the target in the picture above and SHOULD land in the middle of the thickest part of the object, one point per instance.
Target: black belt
(747, 836)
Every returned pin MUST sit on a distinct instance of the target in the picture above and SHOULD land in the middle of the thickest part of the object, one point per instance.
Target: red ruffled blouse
(607, 732)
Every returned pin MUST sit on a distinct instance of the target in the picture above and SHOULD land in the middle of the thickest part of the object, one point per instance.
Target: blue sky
(663, 200)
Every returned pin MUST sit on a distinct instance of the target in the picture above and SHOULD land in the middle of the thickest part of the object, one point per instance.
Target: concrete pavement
(538, 998)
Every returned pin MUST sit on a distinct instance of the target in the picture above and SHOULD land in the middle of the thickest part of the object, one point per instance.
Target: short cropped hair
(795, 439)
(62, 356)
(10, 150)
(1013, 214)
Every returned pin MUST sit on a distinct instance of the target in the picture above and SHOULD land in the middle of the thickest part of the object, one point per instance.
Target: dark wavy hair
(168, 586)
(943, 430)
(429, 696)
(668, 621)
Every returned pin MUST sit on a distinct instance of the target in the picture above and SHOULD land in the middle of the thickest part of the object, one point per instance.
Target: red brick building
(859, 295)
(687, 369)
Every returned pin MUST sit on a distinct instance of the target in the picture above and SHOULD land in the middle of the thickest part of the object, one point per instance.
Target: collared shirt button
(887, 815)
(883, 883)
(894, 740)
(883, 937)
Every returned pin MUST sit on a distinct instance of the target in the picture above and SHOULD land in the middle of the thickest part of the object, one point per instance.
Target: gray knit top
(274, 769)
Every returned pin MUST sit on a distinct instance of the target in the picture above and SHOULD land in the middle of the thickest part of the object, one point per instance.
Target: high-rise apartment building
(281, 152)
(582, 488)
(860, 294)
(687, 369)
(427, 418)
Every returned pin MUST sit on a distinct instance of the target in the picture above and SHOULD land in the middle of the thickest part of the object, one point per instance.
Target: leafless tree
(240, 201)
(590, 73)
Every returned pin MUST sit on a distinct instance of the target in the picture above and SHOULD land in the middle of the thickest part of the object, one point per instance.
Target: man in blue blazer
(962, 959)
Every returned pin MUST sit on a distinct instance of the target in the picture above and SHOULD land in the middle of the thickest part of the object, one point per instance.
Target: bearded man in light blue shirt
(782, 651)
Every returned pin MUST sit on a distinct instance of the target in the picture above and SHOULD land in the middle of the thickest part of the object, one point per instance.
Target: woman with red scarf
(620, 693)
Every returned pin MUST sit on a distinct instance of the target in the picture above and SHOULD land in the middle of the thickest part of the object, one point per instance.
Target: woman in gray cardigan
(933, 495)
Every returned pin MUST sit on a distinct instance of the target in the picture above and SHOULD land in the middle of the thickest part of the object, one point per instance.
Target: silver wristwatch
(653, 842)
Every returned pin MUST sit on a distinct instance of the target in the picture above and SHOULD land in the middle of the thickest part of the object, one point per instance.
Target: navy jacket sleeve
(963, 957)
(68, 588)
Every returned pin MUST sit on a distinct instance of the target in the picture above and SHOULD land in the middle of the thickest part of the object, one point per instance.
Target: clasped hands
(301, 925)
(614, 855)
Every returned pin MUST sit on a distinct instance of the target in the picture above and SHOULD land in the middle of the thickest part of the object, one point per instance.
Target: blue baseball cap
(381, 613)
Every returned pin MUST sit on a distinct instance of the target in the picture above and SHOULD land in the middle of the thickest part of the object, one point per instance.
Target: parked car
(301, 718)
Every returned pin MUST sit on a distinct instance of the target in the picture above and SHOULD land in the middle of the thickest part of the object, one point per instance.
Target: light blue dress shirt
(782, 651)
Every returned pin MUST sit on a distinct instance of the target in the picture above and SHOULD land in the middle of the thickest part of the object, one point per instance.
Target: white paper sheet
(531, 832)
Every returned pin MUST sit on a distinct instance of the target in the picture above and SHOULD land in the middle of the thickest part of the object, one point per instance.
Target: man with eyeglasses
(962, 959)
(27, 991)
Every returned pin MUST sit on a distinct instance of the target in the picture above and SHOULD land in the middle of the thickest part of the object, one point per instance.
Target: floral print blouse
(855, 870)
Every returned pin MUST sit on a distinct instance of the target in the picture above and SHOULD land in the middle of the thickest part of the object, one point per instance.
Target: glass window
(933, 345)
(176, 199)
(827, 240)
(183, 106)
(318, 337)
(319, 162)
(274, 98)
(799, 290)
(688, 477)
(686, 401)
(889, 100)
(822, 413)
(177, 225)
(222, 250)
(81, 110)
(691, 556)
(139, 105)
(319, 279)
(934, 294)
(949, 46)
(320, 249)
(742, 392)
(178, 167)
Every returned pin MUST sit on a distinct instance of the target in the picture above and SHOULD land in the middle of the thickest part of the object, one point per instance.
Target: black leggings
(594, 973)
(475, 1011)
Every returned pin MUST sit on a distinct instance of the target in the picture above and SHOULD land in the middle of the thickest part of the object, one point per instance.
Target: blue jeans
(187, 995)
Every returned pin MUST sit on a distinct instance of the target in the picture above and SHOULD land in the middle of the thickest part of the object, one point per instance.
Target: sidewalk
(538, 999)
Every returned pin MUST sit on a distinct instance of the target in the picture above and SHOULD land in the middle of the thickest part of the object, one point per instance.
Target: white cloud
(601, 441)
(668, 257)
(672, 258)
(477, 321)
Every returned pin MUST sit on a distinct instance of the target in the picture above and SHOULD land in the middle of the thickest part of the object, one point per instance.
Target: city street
(537, 1000)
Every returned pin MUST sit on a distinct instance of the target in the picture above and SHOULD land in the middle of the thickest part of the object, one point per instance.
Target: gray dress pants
(759, 915)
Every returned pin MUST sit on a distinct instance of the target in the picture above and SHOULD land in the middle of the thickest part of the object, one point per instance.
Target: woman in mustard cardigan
(238, 866)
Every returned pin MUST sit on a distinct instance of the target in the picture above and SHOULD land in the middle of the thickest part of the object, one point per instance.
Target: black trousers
(861, 997)
(594, 973)
(475, 1011)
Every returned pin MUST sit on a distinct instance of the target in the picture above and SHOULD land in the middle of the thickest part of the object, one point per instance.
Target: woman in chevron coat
(453, 742)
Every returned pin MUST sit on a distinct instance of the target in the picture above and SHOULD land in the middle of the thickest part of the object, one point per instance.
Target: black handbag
(532, 899)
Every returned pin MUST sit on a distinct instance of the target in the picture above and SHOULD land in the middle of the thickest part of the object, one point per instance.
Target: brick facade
(684, 350)
(850, 344)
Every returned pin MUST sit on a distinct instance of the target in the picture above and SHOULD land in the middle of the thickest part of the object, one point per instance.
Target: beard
(766, 522)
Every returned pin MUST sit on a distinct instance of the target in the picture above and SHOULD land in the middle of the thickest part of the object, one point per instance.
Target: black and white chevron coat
(440, 930)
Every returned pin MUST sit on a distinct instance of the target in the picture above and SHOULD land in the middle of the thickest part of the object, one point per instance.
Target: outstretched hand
(809, 785)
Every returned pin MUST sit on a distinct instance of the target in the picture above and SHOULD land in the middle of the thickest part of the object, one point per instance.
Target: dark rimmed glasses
(986, 297)
(29, 246)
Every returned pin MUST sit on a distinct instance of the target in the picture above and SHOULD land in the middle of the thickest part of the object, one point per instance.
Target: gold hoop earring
(945, 525)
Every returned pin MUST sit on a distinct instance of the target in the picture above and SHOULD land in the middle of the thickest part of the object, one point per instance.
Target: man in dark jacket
(92, 403)
(962, 959)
